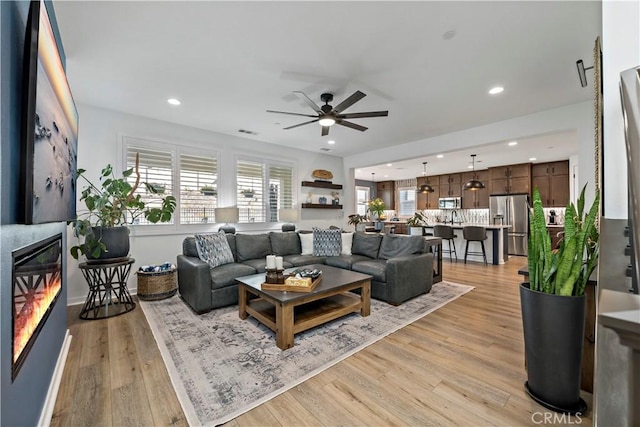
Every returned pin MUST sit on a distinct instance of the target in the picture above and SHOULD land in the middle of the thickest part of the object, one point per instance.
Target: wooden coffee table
(287, 313)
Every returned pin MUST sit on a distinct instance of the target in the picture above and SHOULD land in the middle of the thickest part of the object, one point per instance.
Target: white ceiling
(228, 62)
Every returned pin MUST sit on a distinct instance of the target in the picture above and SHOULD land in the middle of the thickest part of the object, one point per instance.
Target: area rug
(222, 366)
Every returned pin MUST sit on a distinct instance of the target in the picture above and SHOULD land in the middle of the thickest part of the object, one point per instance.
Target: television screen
(50, 127)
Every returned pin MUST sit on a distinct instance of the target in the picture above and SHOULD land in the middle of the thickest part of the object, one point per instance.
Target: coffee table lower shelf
(308, 315)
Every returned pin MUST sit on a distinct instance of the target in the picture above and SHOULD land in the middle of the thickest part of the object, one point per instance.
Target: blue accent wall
(22, 400)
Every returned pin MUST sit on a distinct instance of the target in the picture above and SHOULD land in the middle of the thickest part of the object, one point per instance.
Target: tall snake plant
(564, 271)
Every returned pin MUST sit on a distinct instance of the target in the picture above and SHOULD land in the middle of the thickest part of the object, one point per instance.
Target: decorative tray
(299, 285)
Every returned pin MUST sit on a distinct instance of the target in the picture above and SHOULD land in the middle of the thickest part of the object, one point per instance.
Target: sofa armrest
(194, 283)
(408, 276)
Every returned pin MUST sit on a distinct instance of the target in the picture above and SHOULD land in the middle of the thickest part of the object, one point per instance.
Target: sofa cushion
(326, 242)
(345, 261)
(189, 247)
(214, 249)
(366, 244)
(252, 246)
(306, 243)
(231, 238)
(285, 243)
(298, 260)
(225, 275)
(399, 245)
(260, 264)
(375, 267)
(347, 242)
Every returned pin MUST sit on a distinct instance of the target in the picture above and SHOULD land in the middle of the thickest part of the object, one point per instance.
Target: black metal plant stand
(108, 293)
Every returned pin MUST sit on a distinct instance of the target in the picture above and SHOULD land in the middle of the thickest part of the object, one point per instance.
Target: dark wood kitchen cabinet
(428, 200)
(476, 199)
(450, 185)
(386, 192)
(510, 179)
(552, 180)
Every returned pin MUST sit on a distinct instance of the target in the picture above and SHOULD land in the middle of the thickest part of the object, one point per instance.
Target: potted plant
(553, 305)
(415, 224)
(111, 205)
(248, 193)
(209, 190)
(358, 221)
(377, 207)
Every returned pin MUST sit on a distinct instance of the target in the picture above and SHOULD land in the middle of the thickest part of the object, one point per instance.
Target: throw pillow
(214, 249)
(306, 241)
(326, 242)
(347, 241)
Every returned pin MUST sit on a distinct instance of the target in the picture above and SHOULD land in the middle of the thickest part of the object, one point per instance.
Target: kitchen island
(495, 245)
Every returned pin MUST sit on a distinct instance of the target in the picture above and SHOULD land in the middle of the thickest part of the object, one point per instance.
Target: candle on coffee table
(271, 262)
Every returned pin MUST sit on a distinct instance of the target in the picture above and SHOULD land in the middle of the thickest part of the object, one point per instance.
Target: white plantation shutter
(198, 188)
(155, 168)
(250, 179)
(280, 190)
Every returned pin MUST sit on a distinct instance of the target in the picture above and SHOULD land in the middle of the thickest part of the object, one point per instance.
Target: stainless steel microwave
(450, 202)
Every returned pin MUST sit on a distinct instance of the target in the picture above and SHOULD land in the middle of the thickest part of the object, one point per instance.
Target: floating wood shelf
(321, 184)
(319, 206)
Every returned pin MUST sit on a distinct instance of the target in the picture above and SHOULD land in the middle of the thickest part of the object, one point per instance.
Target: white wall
(620, 51)
(100, 143)
(578, 117)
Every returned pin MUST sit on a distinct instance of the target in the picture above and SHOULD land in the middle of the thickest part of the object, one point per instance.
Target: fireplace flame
(31, 313)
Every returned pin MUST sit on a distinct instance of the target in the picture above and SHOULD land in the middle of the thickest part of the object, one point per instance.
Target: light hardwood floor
(461, 365)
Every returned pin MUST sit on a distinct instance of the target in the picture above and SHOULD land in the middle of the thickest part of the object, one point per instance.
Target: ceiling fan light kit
(328, 116)
(473, 184)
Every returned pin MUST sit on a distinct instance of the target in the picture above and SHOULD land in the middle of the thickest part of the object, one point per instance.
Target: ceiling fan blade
(308, 100)
(351, 125)
(301, 124)
(325, 130)
(292, 114)
(357, 96)
(363, 115)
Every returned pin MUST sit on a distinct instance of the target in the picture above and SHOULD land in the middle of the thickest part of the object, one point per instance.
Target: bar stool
(445, 232)
(474, 234)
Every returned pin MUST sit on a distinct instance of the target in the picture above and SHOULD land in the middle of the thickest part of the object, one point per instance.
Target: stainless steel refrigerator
(512, 210)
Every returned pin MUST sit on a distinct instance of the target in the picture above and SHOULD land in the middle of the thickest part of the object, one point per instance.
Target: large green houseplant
(553, 304)
(110, 206)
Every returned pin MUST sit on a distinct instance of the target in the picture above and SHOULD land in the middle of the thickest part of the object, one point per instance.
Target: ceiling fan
(328, 115)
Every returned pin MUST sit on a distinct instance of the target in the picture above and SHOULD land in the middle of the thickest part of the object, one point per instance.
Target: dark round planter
(553, 338)
(116, 239)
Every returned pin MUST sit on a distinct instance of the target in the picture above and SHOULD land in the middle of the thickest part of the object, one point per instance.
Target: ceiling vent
(325, 149)
(248, 132)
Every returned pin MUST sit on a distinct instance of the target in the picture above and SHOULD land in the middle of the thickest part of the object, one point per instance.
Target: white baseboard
(52, 393)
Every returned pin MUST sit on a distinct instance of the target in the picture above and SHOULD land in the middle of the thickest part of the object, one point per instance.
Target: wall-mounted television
(49, 126)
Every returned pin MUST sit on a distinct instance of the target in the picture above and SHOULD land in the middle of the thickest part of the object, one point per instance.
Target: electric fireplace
(37, 284)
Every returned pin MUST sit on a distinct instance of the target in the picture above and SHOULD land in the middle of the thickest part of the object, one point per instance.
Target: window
(198, 188)
(191, 178)
(362, 198)
(407, 199)
(262, 189)
(155, 168)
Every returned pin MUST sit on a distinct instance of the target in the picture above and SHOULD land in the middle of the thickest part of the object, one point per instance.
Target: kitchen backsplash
(479, 216)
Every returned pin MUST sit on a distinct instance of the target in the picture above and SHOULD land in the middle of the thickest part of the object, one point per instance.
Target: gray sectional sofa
(401, 266)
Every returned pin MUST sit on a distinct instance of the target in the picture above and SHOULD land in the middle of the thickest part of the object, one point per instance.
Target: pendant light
(425, 188)
(473, 184)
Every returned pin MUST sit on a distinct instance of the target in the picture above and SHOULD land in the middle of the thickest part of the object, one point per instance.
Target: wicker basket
(157, 285)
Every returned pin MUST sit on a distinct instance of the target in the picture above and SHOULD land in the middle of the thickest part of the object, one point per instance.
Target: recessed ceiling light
(174, 101)
(358, 170)
(495, 90)
(386, 176)
(389, 164)
(470, 167)
(512, 143)
(531, 159)
(440, 156)
(331, 142)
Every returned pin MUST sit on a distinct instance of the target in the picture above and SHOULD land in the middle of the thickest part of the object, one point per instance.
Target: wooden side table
(108, 293)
